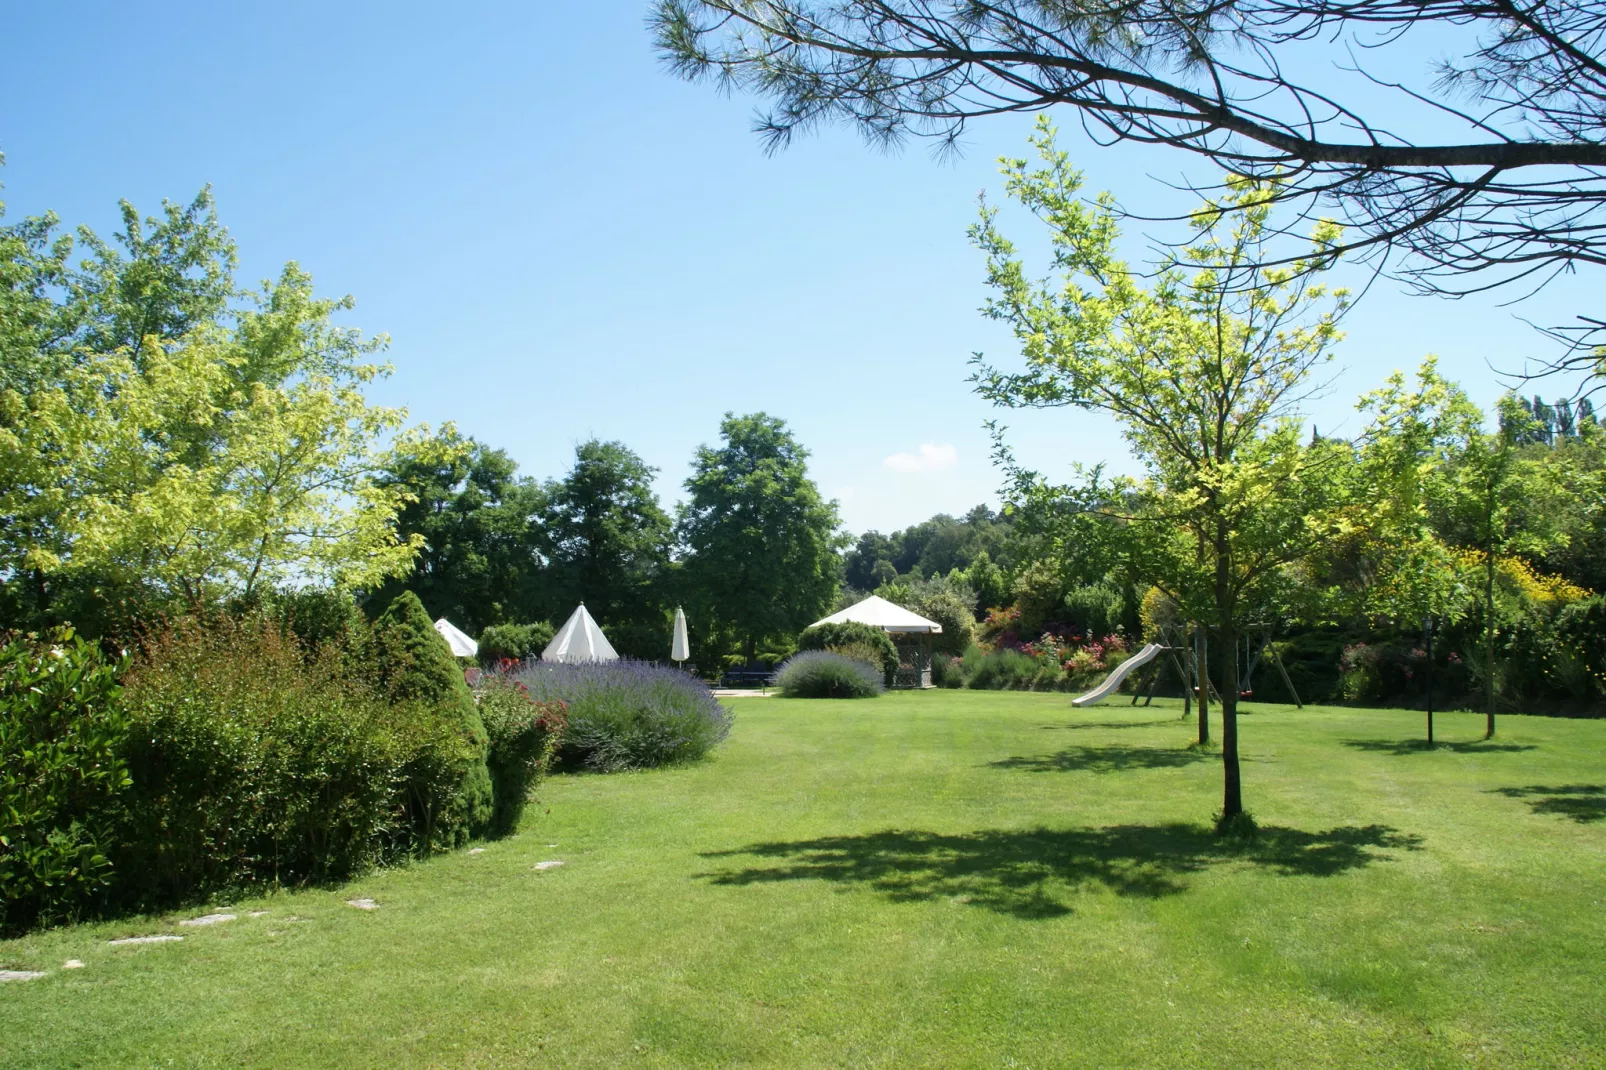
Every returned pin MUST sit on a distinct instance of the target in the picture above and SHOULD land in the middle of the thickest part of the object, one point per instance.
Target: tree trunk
(1232, 800)
(1430, 680)
(1201, 670)
(1488, 636)
(1232, 797)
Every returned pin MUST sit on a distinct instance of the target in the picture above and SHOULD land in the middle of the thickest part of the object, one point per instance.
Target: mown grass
(940, 879)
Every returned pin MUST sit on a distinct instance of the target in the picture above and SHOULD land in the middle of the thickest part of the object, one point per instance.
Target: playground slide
(1113, 681)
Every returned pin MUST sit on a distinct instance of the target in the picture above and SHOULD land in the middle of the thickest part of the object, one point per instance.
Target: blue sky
(563, 241)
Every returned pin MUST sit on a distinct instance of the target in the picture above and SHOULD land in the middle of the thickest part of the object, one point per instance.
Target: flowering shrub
(524, 738)
(823, 674)
(628, 714)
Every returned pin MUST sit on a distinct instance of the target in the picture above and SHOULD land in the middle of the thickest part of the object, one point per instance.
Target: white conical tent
(679, 645)
(462, 646)
(580, 640)
(879, 613)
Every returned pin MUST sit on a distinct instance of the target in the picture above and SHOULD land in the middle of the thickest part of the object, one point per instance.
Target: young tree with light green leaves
(1204, 368)
(201, 466)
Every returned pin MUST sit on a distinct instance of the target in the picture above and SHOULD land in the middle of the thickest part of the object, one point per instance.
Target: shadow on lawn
(1584, 803)
(1025, 872)
(1421, 746)
(1113, 758)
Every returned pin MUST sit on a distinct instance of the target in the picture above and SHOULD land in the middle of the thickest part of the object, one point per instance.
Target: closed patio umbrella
(679, 646)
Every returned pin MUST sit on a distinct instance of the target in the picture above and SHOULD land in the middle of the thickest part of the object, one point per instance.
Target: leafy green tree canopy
(761, 542)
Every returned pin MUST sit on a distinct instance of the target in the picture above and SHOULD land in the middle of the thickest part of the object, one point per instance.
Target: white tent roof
(462, 646)
(879, 613)
(579, 640)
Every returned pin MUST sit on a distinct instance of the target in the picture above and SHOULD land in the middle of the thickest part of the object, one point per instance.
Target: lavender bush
(823, 674)
(628, 714)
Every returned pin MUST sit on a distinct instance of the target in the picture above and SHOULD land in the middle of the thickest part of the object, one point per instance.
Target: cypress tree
(415, 666)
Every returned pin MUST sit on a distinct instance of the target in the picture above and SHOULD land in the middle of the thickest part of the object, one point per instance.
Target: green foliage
(477, 522)
(843, 635)
(62, 772)
(524, 737)
(1000, 670)
(825, 674)
(948, 600)
(1095, 610)
(167, 438)
(257, 762)
(933, 547)
(608, 540)
(1581, 631)
(414, 666)
(513, 642)
(761, 540)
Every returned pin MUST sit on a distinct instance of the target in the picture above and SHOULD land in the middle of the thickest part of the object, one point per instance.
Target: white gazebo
(910, 632)
(580, 639)
(462, 646)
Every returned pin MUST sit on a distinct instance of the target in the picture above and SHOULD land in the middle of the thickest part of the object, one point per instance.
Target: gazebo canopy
(580, 639)
(462, 646)
(879, 613)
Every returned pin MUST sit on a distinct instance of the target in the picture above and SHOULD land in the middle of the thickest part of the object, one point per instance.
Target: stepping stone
(554, 864)
(551, 845)
(258, 913)
(72, 964)
(163, 938)
(20, 975)
(362, 904)
(476, 850)
(207, 919)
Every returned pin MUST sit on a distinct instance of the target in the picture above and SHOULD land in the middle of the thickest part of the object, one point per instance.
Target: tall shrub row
(234, 755)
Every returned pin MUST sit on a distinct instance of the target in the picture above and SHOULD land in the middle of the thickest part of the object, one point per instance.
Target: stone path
(161, 938)
(20, 975)
(207, 919)
(362, 904)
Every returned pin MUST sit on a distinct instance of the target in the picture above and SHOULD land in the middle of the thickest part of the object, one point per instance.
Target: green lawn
(938, 880)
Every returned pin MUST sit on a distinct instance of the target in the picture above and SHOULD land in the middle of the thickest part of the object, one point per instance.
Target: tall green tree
(479, 524)
(608, 540)
(760, 540)
(1203, 369)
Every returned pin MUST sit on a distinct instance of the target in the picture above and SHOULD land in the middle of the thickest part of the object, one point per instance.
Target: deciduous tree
(760, 541)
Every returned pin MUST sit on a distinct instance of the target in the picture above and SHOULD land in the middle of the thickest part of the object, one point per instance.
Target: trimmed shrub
(848, 634)
(61, 775)
(415, 667)
(1000, 670)
(947, 671)
(628, 714)
(823, 674)
(257, 762)
(524, 737)
(513, 642)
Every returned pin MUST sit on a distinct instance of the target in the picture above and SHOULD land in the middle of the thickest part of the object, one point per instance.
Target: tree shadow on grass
(1027, 872)
(1114, 758)
(1422, 746)
(1584, 803)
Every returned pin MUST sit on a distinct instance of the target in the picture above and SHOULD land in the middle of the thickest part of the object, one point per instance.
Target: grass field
(946, 879)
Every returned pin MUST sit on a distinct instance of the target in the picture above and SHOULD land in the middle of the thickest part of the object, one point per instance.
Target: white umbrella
(679, 647)
(462, 646)
(580, 639)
